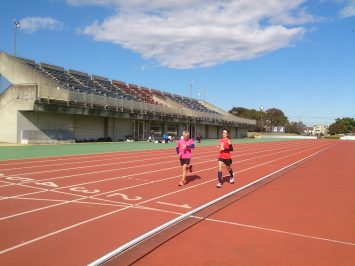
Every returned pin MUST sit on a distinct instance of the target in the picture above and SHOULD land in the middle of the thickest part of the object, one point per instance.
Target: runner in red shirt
(225, 147)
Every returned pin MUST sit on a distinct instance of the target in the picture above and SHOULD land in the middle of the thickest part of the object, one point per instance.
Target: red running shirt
(226, 154)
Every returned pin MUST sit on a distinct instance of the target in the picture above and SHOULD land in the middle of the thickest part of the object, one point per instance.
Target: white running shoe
(219, 185)
(231, 180)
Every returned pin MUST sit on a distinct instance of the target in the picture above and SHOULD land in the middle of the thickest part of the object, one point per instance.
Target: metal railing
(57, 93)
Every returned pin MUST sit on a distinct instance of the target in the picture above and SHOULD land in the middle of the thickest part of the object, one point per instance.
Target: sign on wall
(278, 129)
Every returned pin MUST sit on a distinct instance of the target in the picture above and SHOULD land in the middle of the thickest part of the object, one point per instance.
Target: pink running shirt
(185, 153)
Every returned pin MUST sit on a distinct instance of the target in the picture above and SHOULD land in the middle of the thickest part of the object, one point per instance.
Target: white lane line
(78, 162)
(185, 206)
(190, 187)
(77, 156)
(104, 180)
(61, 230)
(94, 166)
(117, 169)
(250, 226)
(151, 158)
(205, 169)
(190, 213)
(80, 201)
(281, 232)
(61, 202)
(38, 192)
(34, 210)
(198, 152)
(94, 197)
(254, 227)
(112, 153)
(240, 171)
(86, 221)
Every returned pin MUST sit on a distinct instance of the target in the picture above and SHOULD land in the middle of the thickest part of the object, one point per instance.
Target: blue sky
(295, 55)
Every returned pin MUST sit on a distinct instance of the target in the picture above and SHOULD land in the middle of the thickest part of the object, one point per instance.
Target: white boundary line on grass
(158, 229)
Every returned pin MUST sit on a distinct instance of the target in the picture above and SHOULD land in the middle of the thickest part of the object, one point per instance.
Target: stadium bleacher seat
(79, 81)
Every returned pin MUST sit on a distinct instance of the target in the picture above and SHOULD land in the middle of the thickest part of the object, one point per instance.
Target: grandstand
(45, 103)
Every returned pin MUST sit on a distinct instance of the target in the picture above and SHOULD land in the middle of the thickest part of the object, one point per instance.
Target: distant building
(320, 129)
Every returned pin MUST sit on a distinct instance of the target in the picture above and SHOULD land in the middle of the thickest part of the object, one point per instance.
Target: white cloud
(348, 10)
(32, 24)
(200, 33)
(135, 4)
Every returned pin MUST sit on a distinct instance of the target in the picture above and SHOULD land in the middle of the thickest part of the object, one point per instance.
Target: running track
(72, 210)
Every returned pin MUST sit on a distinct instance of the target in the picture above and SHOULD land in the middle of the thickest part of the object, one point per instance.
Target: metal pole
(261, 118)
(192, 82)
(299, 124)
(16, 26)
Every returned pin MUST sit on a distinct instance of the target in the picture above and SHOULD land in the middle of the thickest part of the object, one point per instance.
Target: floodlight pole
(261, 118)
(16, 26)
(192, 82)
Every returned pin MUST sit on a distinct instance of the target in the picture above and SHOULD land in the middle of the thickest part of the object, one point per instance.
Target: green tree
(267, 119)
(337, 128)
(241, 112)
(295, 127)
(276, 117)
(343, 125)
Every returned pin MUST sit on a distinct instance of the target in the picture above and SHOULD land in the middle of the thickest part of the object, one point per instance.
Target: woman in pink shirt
(183, 148)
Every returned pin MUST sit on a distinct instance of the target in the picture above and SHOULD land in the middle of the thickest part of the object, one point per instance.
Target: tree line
(343, 125)
(265, 120)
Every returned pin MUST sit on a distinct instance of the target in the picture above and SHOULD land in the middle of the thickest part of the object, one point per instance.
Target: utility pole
(16, 26)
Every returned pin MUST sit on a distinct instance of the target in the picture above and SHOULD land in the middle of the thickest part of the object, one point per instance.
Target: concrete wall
(78, 126)
(121, 128)
(202, 130)
(212, 132)
(12, 100)
(241, 132)
(16, 72)
(232, 132)
(88, 127)
(43, 127)
(8, 125)
(347, 138)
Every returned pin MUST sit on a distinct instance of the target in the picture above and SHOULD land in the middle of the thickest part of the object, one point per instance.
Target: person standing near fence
(184, 148)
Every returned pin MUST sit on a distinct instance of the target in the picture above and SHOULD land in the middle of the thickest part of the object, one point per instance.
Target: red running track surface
(305, 217)
(72, 210)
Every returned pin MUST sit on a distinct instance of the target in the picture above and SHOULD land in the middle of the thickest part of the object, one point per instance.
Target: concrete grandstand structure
(45, 103)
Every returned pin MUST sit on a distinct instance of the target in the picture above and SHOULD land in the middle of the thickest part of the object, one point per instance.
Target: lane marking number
(125, 197)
